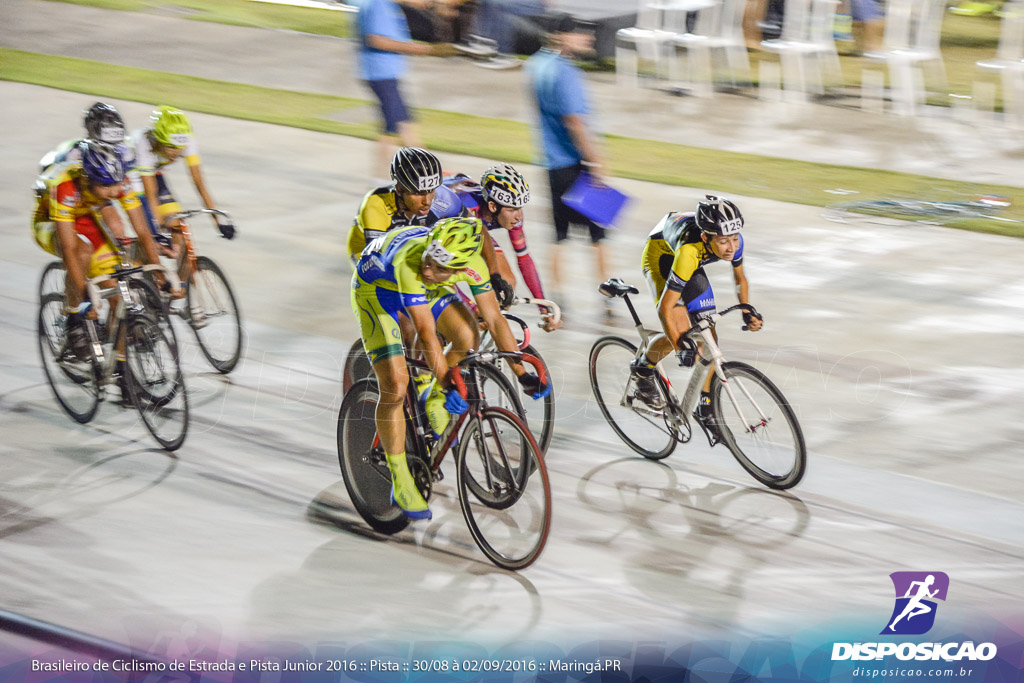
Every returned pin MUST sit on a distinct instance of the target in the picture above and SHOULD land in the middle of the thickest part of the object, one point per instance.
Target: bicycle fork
(718, 359)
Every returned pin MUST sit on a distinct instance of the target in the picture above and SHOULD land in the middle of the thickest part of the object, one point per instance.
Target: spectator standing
(567, 140)
(384, 41)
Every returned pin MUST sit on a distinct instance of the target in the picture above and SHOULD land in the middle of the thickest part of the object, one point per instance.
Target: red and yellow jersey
(67, 196)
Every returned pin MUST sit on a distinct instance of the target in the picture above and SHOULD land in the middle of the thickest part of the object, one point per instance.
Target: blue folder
(600, 203)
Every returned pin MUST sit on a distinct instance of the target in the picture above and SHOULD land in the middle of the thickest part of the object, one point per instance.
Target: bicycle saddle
(616, 287)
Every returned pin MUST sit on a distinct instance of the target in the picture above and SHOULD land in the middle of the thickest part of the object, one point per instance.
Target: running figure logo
(916, 592)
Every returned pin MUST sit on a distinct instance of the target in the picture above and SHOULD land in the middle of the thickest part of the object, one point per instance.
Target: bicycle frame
(182, 217)
(190, 256)
(710, 354)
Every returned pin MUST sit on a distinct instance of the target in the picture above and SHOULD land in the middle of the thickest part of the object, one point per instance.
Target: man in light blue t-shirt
(566, 139)
(384, 41)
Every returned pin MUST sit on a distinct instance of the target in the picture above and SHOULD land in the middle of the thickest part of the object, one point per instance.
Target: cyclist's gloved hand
(227, 229)
(533, 387)
(687, 351)
(749, 320)
(454, 403)
(505, 292)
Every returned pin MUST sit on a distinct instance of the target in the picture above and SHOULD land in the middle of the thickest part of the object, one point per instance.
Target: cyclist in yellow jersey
(673, 263)
(409, 271)
(168, 139)
(416, 197)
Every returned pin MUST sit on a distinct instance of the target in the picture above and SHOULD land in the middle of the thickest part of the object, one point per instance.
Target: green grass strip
(757, 176)
(239, 13)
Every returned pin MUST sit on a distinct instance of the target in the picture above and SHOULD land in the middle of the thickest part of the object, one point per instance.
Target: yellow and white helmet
(453, 242)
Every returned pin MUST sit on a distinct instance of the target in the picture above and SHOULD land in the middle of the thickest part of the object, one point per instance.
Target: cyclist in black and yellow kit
(416, 197)
(673, 263)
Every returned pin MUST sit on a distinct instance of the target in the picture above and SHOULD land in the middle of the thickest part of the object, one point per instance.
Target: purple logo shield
(916, 593)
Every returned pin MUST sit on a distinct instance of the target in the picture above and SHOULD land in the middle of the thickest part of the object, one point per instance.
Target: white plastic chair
(911, 44)
(649, 39)
(717, 28)
(1009, 59)
(807, 46)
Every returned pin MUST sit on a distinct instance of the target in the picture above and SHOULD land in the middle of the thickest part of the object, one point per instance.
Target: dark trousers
(561, 179)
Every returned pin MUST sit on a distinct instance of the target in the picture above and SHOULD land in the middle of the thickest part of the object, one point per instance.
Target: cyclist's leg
(382, 341)
(457, 324)
(167, 206)
(657, 264)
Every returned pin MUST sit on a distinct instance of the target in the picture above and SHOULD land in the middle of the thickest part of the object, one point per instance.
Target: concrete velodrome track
(898, 346)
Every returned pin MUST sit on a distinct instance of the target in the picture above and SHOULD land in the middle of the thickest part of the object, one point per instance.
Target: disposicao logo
(914, 614)
(916, 593)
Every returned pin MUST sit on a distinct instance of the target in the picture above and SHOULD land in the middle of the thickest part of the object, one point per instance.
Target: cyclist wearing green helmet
(409, 272)
(169, 138)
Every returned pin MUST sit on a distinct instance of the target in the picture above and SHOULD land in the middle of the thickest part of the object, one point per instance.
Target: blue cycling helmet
(101, 162)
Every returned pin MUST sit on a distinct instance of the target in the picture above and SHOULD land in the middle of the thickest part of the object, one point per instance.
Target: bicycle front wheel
(504, 490)
(149, 297)
(155, 382)
(213, 314)
(361, 457)
(538, 414)
(643, 429)
(73, 374)
(757, 423)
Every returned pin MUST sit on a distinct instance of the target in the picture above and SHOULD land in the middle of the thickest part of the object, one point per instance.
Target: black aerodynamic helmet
(718, 216)
(103, 123)
(416, 170)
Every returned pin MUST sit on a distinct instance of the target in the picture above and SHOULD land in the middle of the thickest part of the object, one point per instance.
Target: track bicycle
(748, 412)
(539, 417)
(79, 373)
(209, 307)
(502, 481)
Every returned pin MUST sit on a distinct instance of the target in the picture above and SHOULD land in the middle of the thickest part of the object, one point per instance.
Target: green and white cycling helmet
(505, 186)
(453, 242)
(171, 127)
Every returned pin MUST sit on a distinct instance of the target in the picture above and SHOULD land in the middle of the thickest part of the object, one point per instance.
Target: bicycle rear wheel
(759, 426)
(504, 490)
(155, 382)
(73, 378)
(643, 429)
(52, 279)
(538, 414)
(357, 366)
(361, 457)
(214, 316)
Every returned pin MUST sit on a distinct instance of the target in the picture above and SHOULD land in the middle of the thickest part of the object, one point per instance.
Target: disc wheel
(361, 457)
(357, 366)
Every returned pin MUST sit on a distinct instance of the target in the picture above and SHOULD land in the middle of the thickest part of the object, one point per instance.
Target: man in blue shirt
(384, 41)
(566, 138)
